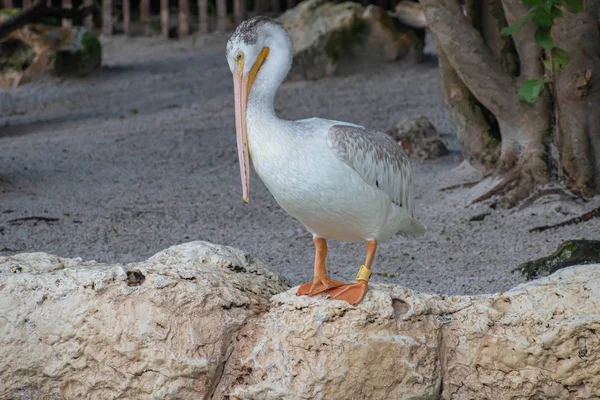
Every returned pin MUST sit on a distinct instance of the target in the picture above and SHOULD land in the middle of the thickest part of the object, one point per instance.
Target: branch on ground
(34, 218)
(595, 213)
(465, 185)
(40, 12)
(561, 192)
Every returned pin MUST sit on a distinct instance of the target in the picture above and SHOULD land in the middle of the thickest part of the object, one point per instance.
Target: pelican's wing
(377, 158)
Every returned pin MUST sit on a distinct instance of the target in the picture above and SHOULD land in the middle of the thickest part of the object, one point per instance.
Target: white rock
(419, 138)
(540, 340)
(411, 13)
(311, 348)
(330, 38)
(159, 329)
(194, 321)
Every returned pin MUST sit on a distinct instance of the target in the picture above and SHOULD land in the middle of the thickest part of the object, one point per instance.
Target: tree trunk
(467, 114)
(578, 100)
(482, 72)
(477, 129)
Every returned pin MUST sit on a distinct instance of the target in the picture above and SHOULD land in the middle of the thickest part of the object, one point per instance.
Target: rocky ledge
(205, 321)
(340, 37)
(36, 50)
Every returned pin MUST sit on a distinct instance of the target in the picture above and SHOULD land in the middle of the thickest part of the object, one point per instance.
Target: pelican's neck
(269, 77)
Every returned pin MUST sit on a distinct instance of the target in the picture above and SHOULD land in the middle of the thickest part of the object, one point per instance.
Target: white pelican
(340, 180)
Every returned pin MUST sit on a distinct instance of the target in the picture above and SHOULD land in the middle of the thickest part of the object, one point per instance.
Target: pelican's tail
(413, 228)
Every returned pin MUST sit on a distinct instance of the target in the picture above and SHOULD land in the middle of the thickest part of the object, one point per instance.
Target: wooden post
(290, 4)
(260, 6)
(145, 15)
(239, 10)
(26, 4)
(275, 6)
(127, 17)
(7, 4)
(88, 21)
(67, 23)
(184, 18)
(203, 15)
(107, 23)
(164, 18)
(221, 15)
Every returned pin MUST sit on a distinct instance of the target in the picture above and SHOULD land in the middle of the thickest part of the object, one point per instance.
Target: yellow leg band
(363, 274)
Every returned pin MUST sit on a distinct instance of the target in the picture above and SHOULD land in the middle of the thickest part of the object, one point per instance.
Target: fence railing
(120, 12)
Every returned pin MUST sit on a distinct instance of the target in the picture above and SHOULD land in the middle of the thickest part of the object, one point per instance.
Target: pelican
(340, 180)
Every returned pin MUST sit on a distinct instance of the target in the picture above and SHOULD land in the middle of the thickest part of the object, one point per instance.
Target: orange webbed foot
(318, 285)
(352, 293)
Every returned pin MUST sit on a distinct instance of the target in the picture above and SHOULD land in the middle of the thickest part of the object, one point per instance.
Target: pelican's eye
(238, 56)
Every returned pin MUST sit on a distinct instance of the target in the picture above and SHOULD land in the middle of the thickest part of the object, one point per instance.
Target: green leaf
(533, 2)
(542, 37)
(561, 58)
(547, 64)
(509, 30)
(573, 6)
(530, 91)
(542, 18)
(556, 12)
(551, 3)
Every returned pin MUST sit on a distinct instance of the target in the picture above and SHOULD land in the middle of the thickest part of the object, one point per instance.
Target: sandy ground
(141, 156)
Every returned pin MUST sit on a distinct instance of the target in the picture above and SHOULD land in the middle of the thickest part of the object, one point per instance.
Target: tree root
(518, 183)
(582, 218)
(562, 192)
(479, 217)
(459, 186)
(513, 188)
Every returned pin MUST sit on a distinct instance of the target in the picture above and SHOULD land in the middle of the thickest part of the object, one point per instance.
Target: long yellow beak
(241, 88)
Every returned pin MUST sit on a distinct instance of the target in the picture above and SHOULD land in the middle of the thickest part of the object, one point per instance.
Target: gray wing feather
(377, 158)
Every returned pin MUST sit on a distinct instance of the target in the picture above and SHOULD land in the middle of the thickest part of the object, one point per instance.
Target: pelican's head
(254, 42)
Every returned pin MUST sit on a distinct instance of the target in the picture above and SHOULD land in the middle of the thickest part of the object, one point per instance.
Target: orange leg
(321, 282)
(355, 293)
